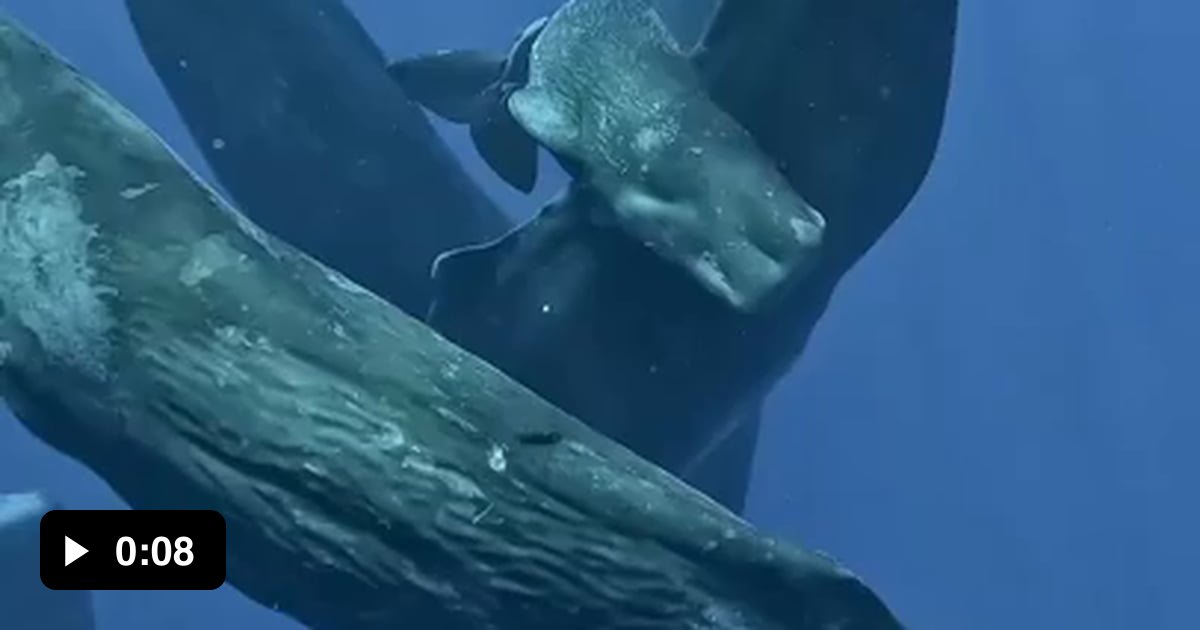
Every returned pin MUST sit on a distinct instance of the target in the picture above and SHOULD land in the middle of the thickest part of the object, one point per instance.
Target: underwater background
(996, 422)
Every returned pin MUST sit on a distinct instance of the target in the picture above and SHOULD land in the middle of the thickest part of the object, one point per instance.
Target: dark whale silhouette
(848, 97)
(290, 104)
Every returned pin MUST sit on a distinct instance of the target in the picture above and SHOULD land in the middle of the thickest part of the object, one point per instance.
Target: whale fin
(451, 84)
(504, 145)
(467, 87)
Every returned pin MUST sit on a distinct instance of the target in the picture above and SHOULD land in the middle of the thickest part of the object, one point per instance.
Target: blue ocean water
(994, 424)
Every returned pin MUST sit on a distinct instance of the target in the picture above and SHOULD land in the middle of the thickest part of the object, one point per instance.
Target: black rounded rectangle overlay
(133, 550)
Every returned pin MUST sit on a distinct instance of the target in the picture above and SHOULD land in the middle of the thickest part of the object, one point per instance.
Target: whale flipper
(468, 87)
(504, 145)
(472, 88)
(452, 84)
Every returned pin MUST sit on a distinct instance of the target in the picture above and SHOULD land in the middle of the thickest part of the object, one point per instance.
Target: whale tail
(469, 88)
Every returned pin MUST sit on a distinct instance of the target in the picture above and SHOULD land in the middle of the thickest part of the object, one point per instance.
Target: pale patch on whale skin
(48, 285)
(136, 192)
(210, 255)
(612, 90)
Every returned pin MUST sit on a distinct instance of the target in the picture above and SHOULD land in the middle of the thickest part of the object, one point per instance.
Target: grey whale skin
(24, 601)
(848, 98)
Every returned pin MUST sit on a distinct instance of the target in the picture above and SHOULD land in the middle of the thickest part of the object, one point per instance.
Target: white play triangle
(73, 551)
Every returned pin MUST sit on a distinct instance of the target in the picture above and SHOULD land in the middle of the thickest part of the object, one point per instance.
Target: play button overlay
(120, 550)
(72, 551)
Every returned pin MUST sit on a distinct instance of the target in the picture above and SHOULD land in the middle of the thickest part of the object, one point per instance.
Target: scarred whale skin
(610, 89)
